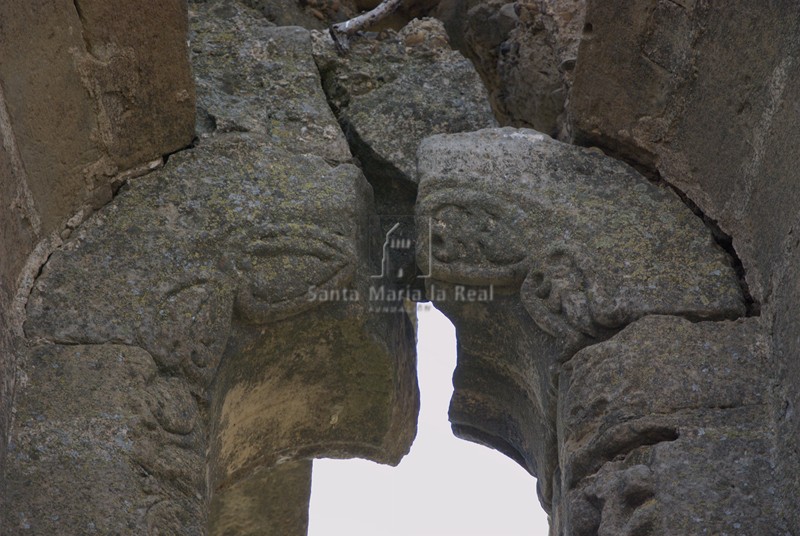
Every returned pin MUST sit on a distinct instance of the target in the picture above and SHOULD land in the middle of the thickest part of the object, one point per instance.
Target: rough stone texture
(453, 14)
(316, 14)
(528, 53)
(138, 75)
(505, 380)
(20, 223)
(336, 382)
(103, 88)
(703, 95)
(320, 14)
(524, 51)
(261, 79)
(276, 498)
(389, 94)
(233, 271)
(786, 345)
(88, 91)
(103, 444)
(560, 248)
(668, 429)
(192, 338)
(706, 95)
(181, 250)
(567, 18)
(9, 344)
(19, 226)
(593, 244)
(186, 245)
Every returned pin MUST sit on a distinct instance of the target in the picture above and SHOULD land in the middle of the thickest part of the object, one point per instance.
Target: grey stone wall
(605, 332)
(705, 95)
(88, 92)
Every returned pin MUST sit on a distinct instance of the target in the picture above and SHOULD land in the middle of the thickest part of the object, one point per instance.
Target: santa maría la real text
(383, 293)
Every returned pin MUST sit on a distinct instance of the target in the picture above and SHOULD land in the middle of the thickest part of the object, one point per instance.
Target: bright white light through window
(444, 487)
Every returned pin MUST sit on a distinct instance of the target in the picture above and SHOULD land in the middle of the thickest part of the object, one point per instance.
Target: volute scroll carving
(578, 246)
(190, 306)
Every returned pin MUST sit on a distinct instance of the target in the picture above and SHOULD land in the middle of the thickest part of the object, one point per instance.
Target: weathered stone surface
(407, 10)
(338, 381)
(389, 94)
(593, 244)
(272, 502)
(536, 249)
(524, 51)
(103, 444)
(205, 245)
(528, 62)
(88, 91)
(705, 94)
(238, 266)
(194, 241)
(505, 381)
(20, 223)
(257, 78)
(19, 227)
(500, 58)
(784, 325)
(668, 429)
(320, 14)
(568, 21)
(453, 14)
(702, 94)
(294, 13)
(50, 65)
(7, 377)
(103, 88)
(139, 77)
(197, 331)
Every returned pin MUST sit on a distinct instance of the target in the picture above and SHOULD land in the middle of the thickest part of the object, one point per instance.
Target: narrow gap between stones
(396, 196)
(725, 241)
(644, 162)
(192, 144)
(23, 294)
(383, 176)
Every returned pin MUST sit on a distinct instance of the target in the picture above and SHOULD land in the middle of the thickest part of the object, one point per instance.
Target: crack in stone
(382, 175)
(82, 20)
(47, 246)
(676, 3)
(725, 241)
(645, 165)
(593, 460)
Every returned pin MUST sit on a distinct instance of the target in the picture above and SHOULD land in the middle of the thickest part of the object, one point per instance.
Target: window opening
(444, 487)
